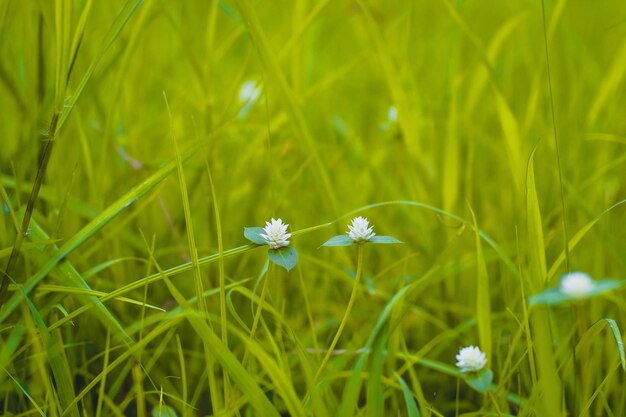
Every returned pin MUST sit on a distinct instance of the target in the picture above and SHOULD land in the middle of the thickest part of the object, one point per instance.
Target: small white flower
(275, 234)
(470, 359)
(249, 92)
(576, 284)
(392, 114)
(360, 230)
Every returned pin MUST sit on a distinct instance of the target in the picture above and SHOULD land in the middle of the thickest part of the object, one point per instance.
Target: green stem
(357, 280)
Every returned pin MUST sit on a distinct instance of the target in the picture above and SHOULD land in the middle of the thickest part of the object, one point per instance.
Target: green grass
(130, 165)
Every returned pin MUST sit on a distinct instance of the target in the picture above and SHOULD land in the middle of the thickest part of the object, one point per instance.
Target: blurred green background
(309, 111)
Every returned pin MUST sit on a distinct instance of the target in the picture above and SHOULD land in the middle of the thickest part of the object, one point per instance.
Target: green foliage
(139, 137)
(286, 257)
(480, 381)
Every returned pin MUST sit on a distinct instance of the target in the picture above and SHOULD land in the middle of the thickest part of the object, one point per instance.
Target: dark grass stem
(355, 288)
(46, 153)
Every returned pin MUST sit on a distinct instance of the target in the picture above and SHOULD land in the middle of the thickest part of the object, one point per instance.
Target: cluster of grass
(139, 138)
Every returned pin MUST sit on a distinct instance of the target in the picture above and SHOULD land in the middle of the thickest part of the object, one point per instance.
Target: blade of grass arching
(483, 296)
(375, 394)
(89, 230)
(409, 401)
(25, 392)
(352, 388)
(549, 381)
(57, 360)
(73, 277)
(270, 60)
(592, 333)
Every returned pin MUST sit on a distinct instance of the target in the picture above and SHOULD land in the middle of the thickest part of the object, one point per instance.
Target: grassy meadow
(139, 138)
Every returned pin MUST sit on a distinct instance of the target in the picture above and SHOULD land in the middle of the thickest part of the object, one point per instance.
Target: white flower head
(576, 284)
(360, 230)
(392, 114)
(470, 359)
(275, 234)
(249, 92)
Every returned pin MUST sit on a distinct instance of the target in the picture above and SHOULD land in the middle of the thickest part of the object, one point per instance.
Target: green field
(138, 139)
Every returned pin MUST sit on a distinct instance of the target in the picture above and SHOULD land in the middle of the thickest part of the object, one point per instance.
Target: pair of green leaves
(287, 257)
(479, 381)
(345, 240)
(554, 296)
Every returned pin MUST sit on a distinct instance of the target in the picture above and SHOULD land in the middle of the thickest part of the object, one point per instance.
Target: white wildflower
(249, 92)
(360, 230)
(275, 234)
(392, 114)
(470, 359)
(576, 284)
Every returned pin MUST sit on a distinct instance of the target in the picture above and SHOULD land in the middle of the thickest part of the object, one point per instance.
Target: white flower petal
(360, 230)
(576, 284)
(470, 359)
(275, 234)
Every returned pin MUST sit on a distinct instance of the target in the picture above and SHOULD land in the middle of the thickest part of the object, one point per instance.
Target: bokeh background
(312, 111)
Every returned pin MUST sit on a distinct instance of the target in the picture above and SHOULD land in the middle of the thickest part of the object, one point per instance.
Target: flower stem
(357, 280)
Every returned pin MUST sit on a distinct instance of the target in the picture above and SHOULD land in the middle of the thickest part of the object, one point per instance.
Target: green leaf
(253, 234)
(384, 240)
(286, 257)
(550, 296)
(341, 240)
(480, 381)
(605, 285)
(411, 406)
(553, 296)
(164, 411)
